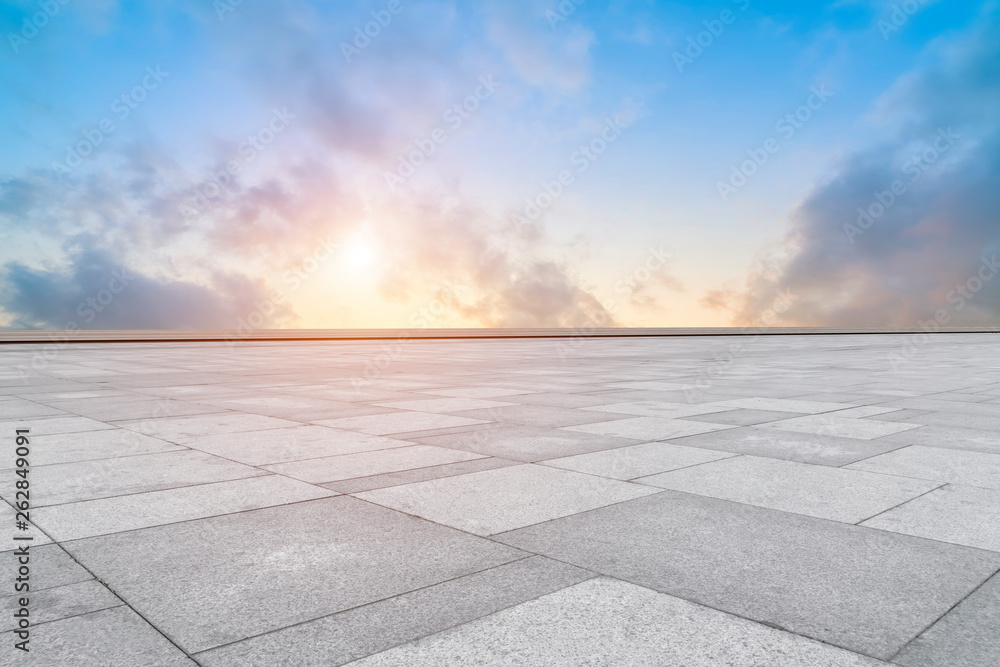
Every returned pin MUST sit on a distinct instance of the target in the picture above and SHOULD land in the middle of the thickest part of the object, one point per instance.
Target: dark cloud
(922, 244)
(97, 292)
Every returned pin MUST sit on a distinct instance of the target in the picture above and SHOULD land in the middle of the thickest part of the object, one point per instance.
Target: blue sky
(312, 229)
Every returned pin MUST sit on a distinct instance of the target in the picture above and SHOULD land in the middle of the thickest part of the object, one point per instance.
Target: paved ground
(805, 500)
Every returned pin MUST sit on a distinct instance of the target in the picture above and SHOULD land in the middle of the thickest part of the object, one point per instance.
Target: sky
(242, 164)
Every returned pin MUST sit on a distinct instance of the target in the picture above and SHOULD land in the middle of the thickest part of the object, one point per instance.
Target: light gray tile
(613, 623)
(841, 584)
(88, 480)
(966, 636)
(526, 443)
(943, 465)
(179, 429)
(648, 428)
(544, 416)
(784, 405)
(52, 425)
(363, 464)
(743, 417)
(73, 447)
(958, 514)
(50, 567)
(398, 422)
(821, 491)
(664, 409)
(439, 405)
(142, 510)
(52, 604)
(636, 461)
(359, 484)
(492, 501)
(279, 445)
(948, 437)
(115, 637)
(831, 424)
(349, 635)
(214, 581)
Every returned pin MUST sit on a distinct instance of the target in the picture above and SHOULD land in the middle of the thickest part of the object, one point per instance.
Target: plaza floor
(690, 501)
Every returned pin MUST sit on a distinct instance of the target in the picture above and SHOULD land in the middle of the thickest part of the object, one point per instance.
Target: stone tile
(966, 636)
(664, 409)
(831, 424)
(398, 422)
(52, 604)
(944, 465)
(7, 518)
(792, 446)
(180, 429)
(18, 409)
(279, 445)
(613, 623)
(115, 637)
(841, 584)
(52, 425)
(142, 510)
(648, 428)
(51, 567)
(116, 410)
(215, 581)
(440, 405)
(558, 399)
(958, 514)
(837, 494)
(89, 445)
(655, 385)
(948, 437)
(364, 464)
(627, 463)
(492, 501)
(542, 416)
(526, 443)
(784, 405)
(88, 480)
(742, 417)
(359, 484)
(474, 392)
(353, 634)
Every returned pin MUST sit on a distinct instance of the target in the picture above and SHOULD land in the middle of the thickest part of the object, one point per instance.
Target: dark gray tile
(743, 417)
(360, 484)
(838, 583)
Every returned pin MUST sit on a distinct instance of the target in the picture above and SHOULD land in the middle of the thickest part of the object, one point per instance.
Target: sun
(359, 253)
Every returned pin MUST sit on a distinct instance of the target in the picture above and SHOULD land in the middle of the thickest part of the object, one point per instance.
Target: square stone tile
(841, 584)
(492, 501)
(664, 409)
(613, 623)
(51, 567)
(52, 604)
(398, 422)
(116, 637)
(627, 463)
(543, 416)
(944, 465)
(278, 445)
(52, 425)
(18, 408)
(837, 494)
(88, 480)
(831, 424)
(789, 445)
(949, 437)
(784, 405)
(73, 447)
(440, 405)
(525, 443)
(142, 510)
(215, 581)
(474, 392)
(355, 633)
(558, 399)
(180, 429)
(358, 484)
(958, 514)
(363, 464)
(648, 428)
(966, 636)
(742, 417)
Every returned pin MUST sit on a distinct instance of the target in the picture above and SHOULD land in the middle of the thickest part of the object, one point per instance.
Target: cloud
(95, 291)
(859, 254)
